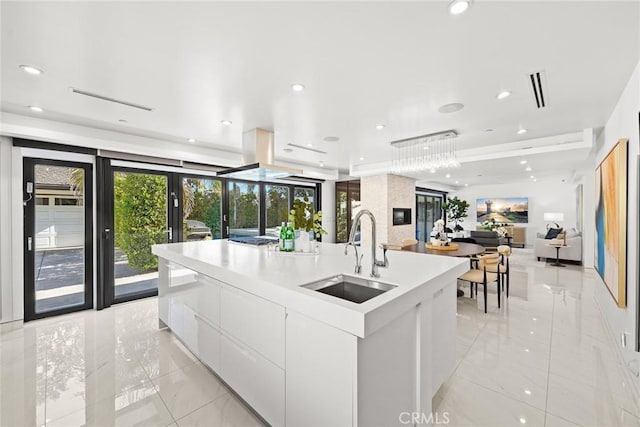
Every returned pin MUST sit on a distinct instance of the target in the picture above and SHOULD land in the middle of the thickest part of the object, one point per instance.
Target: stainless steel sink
(350, 288)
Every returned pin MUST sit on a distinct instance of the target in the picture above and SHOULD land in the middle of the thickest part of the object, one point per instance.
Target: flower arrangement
(438, 231)
(493, 225)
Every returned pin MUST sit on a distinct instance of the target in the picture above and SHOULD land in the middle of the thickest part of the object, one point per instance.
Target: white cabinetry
(238, 335)
(255, 322)
(443, 334)
(257, 380)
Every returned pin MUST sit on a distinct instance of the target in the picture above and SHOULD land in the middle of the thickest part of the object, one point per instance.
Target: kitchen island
(301, 357)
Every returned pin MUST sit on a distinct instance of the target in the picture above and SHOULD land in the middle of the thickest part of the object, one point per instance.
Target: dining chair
(477, 276)
(505, 251)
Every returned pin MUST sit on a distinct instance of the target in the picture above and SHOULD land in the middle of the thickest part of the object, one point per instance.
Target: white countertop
(277, 277)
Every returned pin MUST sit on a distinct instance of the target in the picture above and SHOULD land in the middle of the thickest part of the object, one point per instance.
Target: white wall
(6, 271)
(548, 194)
(623, 123)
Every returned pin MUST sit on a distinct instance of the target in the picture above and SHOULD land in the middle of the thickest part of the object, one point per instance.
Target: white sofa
(572, 252)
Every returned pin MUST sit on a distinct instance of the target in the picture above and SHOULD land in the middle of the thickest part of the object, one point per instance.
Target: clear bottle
(283, 230)
(289, 238)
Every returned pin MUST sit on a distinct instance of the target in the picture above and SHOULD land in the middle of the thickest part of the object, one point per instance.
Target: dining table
(464, 250)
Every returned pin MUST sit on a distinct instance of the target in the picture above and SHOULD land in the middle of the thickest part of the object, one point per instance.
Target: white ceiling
(363, 64)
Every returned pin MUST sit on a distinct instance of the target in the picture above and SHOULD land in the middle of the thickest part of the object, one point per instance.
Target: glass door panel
(341, 216)
(58, 237)
(140, 212)
(277, 208)
(244, 208)
(201, 209)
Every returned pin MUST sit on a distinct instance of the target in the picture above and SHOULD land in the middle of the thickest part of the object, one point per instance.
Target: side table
(557, 263)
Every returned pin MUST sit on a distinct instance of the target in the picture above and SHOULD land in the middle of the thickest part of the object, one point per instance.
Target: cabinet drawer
(207, 303)
(254, 321)
(208, 343)
(258, 381)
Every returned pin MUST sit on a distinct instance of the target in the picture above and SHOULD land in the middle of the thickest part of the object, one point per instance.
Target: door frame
(29, 217)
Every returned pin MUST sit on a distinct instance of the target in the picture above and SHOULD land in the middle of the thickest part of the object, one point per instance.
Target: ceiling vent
(109, 99)
(538, 86)
(315, 150)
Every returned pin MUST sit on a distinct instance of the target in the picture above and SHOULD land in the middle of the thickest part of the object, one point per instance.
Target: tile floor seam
(546, 400)
(226, 394)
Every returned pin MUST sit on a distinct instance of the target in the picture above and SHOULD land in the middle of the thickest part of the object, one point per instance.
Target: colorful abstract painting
(505, 209)
(611, 222)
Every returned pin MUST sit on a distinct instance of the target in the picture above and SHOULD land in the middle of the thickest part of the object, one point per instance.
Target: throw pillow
(572, 233)
(553, 233)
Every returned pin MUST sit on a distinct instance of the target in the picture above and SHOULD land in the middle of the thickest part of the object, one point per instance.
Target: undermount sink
(350, 288)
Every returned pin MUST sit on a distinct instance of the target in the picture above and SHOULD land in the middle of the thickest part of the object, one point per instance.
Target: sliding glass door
(428, 211)
(58, 237)
(243, 201)
(140, 220)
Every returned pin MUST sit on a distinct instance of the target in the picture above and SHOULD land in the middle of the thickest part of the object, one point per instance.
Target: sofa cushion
(572, 233)
(553, 233)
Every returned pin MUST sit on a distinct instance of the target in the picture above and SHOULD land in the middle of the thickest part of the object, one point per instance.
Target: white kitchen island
(300, 357)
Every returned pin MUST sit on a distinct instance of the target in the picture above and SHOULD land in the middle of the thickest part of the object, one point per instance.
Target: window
(202, 208)
(244, 208)
(67, 201)
(42, 201)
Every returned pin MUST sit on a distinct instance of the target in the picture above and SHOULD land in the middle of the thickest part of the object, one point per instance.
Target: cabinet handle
(203, 320)
(441, 290)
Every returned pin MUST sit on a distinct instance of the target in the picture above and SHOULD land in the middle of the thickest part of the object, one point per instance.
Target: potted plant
(306, 222)
(456, 211)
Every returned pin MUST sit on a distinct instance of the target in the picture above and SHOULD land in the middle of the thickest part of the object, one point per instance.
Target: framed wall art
(611, 222)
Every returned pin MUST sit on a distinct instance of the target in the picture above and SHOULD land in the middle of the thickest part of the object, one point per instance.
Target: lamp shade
(554, 216)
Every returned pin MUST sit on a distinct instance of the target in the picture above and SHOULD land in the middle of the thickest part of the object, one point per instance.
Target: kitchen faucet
(351, 242)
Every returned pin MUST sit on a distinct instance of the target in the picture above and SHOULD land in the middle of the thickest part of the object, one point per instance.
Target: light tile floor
(545, 358)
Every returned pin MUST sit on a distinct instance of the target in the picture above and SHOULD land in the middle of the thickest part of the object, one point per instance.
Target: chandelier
(425, 153)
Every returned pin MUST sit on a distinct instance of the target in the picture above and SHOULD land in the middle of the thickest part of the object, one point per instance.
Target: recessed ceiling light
(448, 175)
(523, 162)
(331, 139)
(456, 182)
(321, 164)
(31, 70)
(535, 180)
(36, 109)
(451, 108)
(380, 127)
(123, 121)
(309, 145)
(432, 171)
(528, 169)
(425, 148)
(191, 140)
(297, 87)
(361, 158)
(503, 94)
(521, 131)
(532, 177)
(527, 392)
(523, 420)
(456, 7)
(288, 150)
(226, 122)
(466, 185)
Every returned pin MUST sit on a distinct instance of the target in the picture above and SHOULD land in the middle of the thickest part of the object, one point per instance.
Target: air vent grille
(538, 85)
(109, 99)
(302, 147)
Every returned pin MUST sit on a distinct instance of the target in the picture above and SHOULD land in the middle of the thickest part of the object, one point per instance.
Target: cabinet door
(208, 299)
(258, 381)
(443, 334)
(256, 322)
(189, 333)
(208, 344)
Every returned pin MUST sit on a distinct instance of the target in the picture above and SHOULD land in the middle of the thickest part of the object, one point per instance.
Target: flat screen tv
(503, 209)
